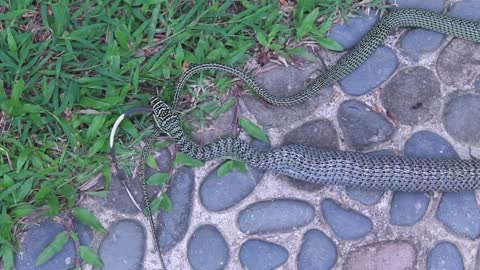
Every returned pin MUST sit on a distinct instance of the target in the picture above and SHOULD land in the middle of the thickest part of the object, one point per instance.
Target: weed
(69, 68)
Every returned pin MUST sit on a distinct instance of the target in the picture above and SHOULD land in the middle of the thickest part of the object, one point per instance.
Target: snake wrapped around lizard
(345, 168)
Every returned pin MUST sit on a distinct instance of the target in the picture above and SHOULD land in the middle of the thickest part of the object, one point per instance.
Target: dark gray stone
(207, 249)
(174, 224)
(353, 30)
(434, 5)
(412, 96)
(363, 127)
(419, 41)
(35, 239)
(124, 246)
(368, 197)
(317, 251)
(459, 63)
(466, 9)
(427, 144)
(117, 197)
(477, 84)
(215, 129)
(318, 133)
(346, 224)
(460, 118)
(392, 255)
(286, 81)
(278, 215)
(460, 213)
(85, 234)
(218, 194)
(407, 208)
(262, 255)
(445, 255)
(374, 71)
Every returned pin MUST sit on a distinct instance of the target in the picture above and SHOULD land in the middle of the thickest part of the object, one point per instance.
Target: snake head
(165, 118)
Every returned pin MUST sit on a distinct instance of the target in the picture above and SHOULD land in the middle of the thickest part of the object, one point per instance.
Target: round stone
(419, 41)
(318, 133)
(215, 129)
(173, 225)
(35, 240)
(116, 194)
(363, 127)
(407, 208)
(262, 255)
(317, 251)
(278, 215)
(124, 246)
(460, 213)
(434, 5)
(370, 74)
(459, 63)
(368, 197)
(391, 255)
(350, 33)
(466, 9)
(286, 81)
(412, 96)
(346, 224)
(207, 249)
(220, 193)
(427, 144)
(445, 255)
(460, 118)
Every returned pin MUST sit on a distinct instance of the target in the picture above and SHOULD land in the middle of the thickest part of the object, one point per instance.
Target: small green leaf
(225, 168)
(241, 166)
(12, 44)
(122, 39)
(18, 90)
(253, 130)
(6, 253)
(151, 162)
(89, 219)
(262, 39)
(308, 24)
(158, 179)
(53, 248)
(163, 202)
(329, 43)
(43, 192)
(183, 159)
(89, 256)
(68, 192)
(97, 123)
(224, 108)
(22, 211)
(53, 206)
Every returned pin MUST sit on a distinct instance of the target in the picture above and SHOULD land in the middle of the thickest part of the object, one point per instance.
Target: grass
(69, 68)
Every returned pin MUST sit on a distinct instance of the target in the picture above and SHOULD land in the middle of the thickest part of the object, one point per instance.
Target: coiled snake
(345, 168)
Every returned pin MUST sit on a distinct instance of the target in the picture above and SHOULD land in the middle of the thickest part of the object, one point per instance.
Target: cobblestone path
(418, 95)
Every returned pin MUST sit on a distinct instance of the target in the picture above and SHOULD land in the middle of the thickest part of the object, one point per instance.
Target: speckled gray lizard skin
(338, 167)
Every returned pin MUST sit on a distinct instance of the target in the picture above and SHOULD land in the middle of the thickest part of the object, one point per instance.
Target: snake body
(345, 168)
(315, 165)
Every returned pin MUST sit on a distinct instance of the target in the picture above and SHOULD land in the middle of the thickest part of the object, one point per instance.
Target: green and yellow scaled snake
(345, 168)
